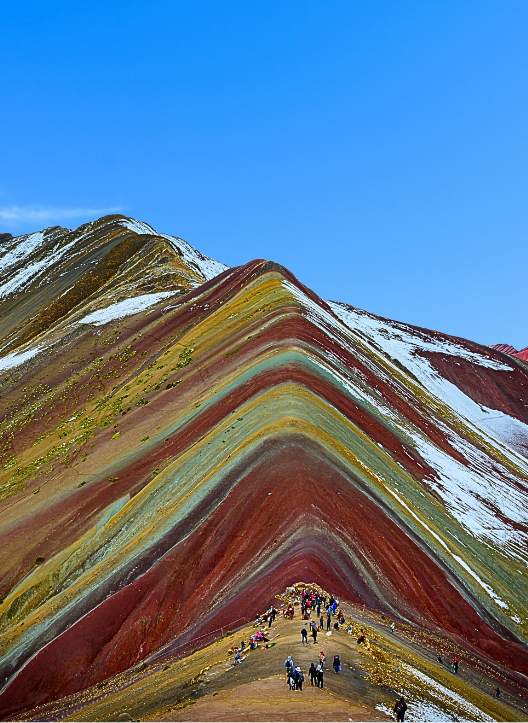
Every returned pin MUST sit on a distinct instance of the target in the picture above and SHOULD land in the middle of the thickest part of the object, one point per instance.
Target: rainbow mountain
(181, 440)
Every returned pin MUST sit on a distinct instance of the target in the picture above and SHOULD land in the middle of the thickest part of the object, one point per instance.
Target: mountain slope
(167, 466)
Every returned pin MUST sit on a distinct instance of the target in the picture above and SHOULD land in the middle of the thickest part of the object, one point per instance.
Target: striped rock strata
(180, 440)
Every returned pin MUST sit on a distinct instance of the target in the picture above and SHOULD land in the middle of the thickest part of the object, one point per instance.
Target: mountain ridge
(149, 460)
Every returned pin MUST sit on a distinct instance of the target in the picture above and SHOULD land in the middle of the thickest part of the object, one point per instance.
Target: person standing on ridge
(320, 674)
(313, 675)
(400, 708)
(299, 678)
(288, 664)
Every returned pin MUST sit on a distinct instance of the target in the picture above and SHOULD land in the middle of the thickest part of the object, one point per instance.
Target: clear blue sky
(377, 149)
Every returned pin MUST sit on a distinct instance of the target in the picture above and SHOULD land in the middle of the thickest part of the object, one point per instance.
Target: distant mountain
(180, 440)
(507, 349)
(504, 348)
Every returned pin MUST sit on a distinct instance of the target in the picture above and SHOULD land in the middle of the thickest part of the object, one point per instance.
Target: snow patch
(448, 706)
(127, 307)
(26, 274)
(207, 267)
(24, 245)
(16, 358)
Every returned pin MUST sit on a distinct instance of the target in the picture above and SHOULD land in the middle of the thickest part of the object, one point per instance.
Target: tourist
(399, 708)
(320, 674)
(288, 664)
(337, 664)
(313, 675)
(299, 678)
(304, 635)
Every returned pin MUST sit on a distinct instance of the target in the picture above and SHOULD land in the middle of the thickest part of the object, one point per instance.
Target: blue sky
(377, 149)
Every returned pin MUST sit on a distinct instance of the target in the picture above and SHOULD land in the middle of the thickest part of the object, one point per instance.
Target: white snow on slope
(404, 344)
(24, 246)
(127, 307)
(27, 274)
(16, 358)
(448, 706)
(473, 494)
(209, 268)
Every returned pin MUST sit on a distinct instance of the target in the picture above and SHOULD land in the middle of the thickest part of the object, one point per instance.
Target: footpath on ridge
(205, 686)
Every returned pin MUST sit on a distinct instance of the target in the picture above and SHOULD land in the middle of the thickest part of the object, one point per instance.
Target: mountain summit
(181, 441)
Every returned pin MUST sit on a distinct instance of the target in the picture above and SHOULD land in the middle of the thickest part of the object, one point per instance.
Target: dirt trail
(204, 686)
(269, 699)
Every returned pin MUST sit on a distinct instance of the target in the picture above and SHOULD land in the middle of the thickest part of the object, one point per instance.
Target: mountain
(182, 440)
(507, 349)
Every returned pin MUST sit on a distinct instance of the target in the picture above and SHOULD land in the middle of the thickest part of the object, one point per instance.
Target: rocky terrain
(181, 440)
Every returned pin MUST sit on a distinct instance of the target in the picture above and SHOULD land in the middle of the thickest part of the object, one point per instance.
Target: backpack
(301, 677)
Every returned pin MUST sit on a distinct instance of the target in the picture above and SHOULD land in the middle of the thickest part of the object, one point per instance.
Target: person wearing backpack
(299, 679)
(320, 674)
(400, 708)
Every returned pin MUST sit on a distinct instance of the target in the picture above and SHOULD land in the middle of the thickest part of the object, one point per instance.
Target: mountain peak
(180, 441)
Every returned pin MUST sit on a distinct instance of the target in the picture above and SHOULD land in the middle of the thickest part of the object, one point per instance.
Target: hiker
(273, 613)
(399, 708)
(361, 639)
(321, 622)
(497, 692)
(328, 620)
(291, 678)
(313, 675)
(322, 657)
(299, 678)
(304, 635)
(392, 626)
(242, 645)
(320, 674)
(440, 660)
(336, 626)
(454, 665)
(314, 634)
(288, 664)
(337, 664)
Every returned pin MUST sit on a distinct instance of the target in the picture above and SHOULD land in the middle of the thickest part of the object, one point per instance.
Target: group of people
(266, 618)
(295, 676)
(323, 607)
